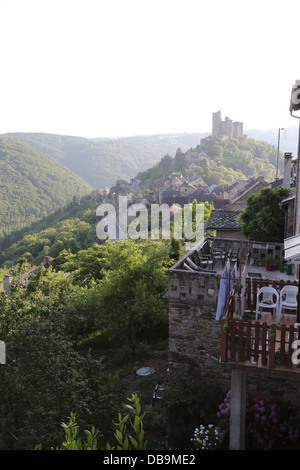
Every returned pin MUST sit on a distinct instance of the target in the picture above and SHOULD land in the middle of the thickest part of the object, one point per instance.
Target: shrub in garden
(129, 432)
(224, 409)
(269, 425)
(272, 425)
(206, 438)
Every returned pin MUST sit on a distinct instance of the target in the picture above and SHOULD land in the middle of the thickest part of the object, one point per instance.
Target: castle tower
(226, 128)
(216, 124)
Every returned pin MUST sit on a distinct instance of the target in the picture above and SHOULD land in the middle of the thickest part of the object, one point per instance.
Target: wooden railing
(252, 287)
(260, 344)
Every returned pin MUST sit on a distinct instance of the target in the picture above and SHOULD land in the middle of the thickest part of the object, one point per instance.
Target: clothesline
(225, 287)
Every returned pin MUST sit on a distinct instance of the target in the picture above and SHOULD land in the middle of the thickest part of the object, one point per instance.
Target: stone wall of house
(230, 234)
(194, 330)
(238, 204)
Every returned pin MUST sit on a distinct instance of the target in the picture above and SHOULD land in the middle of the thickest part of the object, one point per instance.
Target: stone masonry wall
(192, 329)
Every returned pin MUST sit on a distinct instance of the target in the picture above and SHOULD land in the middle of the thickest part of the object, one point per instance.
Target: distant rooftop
(219, 220)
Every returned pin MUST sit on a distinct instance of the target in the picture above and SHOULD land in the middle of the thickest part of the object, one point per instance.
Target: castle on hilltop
(228, 128)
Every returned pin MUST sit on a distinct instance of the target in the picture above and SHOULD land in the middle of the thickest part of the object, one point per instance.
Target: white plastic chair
(288, 299)
(267, 300)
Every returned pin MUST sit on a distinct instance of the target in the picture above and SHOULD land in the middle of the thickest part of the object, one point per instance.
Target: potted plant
(271, 262)
(281, 268)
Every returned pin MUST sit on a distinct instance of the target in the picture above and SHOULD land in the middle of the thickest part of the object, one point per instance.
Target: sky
(111, 68)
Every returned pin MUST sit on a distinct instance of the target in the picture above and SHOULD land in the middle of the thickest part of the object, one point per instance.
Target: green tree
(132, 289)
(43, 379)
(86, 265)
(263, 220)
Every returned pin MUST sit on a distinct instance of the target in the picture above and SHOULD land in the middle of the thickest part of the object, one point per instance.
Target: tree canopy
(49, 371)
(263, 220)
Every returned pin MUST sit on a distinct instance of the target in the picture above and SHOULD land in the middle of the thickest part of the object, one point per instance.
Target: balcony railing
(248, 303)
(257, 344)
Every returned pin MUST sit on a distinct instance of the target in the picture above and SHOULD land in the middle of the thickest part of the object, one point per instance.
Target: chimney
(287, 170)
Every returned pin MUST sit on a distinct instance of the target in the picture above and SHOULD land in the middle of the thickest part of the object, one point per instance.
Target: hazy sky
(101, 68)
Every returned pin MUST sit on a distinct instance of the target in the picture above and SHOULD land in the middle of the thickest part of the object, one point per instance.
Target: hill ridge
(32, 184)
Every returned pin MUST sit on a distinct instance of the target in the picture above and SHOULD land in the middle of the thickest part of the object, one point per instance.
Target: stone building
(226, 224)
(195, 332)
(226, 128)
(252, 186)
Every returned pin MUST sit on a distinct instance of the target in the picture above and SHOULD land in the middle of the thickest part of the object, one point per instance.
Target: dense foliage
(46, 329)
(32, 185)
(270, 424)
(263, 219)
(128, 435)
(71, 228)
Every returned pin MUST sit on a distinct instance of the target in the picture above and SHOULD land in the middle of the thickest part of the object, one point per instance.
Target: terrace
(228, 274)
(195, 278)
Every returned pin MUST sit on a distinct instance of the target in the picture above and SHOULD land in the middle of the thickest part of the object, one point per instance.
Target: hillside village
(226, 302)
(202, 305)
(201, 329)
(149, 231)
(227, 200)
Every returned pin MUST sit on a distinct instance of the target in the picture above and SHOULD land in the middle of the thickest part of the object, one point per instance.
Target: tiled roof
(225, 220)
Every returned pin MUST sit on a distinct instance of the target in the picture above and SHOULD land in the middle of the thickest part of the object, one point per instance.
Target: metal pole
(278, 145)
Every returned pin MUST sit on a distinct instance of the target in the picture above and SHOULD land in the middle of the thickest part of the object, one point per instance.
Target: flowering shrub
(206, 438)
(224, 409)
(268, 425)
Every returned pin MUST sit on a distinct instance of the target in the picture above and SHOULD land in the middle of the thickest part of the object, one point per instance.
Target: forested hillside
(71, 228)
(101, 161)
(219, 162)
(32, 185)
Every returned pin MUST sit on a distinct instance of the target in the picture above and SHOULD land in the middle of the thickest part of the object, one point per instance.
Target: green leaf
(134, 442)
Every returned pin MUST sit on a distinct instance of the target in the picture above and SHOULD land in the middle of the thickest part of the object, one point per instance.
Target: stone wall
(195, 335)
(193, 330)
(230, 234)
(226, 128)
(197, 288)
